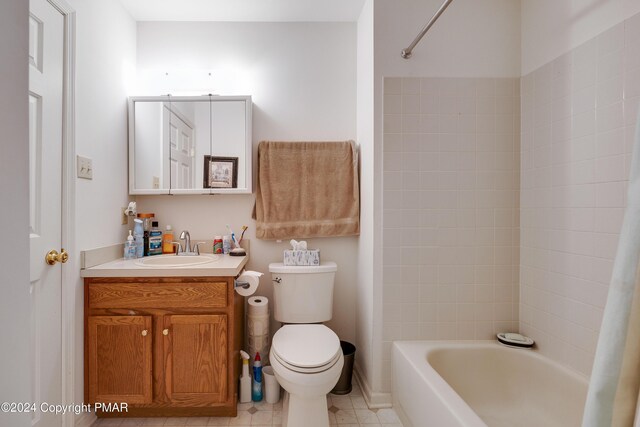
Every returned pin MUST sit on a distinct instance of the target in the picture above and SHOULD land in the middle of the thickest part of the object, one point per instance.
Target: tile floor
(348, 410)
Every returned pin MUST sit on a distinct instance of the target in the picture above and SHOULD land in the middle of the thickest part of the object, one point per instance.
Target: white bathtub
(482, 383)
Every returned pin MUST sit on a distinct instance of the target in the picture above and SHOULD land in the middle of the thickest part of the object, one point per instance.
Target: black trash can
(343, 386)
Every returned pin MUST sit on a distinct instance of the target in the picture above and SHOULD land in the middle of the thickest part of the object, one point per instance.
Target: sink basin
(168, 261)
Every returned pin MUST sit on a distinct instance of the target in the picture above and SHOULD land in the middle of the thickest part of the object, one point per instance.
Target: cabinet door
(119, 353)
(196, 365)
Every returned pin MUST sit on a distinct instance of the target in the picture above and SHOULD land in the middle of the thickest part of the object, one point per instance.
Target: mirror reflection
(188, 145)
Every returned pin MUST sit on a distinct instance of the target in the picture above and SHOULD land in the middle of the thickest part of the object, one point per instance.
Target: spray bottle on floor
(256, 390)
(245, 379)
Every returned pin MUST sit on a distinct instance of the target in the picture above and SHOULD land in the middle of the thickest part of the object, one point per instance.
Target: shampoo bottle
(256, 390)
(129, 247)
(245, 379)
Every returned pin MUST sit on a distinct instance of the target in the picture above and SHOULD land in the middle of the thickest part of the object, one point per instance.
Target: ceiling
(245, 10)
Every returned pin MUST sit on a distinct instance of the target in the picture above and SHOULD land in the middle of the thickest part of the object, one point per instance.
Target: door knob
(53, 256)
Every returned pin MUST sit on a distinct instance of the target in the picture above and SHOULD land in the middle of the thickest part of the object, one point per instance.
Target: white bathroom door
(46, 66)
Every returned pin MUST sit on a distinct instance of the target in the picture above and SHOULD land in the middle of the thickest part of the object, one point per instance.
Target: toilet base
(302, 411)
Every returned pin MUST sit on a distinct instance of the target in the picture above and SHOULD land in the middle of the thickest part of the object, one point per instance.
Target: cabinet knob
(144, 332)
(165, 332)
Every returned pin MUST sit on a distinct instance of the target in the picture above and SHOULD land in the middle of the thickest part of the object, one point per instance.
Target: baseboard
(85, 420)
(397, 407)
(374, 400)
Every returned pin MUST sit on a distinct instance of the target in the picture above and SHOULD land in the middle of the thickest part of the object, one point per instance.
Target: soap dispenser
(129, 247)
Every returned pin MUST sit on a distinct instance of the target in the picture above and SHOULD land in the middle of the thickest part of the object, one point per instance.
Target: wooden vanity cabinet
(119, 359)
(167, 346)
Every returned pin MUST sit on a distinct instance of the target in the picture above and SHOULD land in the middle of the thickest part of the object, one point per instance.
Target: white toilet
(305, 355)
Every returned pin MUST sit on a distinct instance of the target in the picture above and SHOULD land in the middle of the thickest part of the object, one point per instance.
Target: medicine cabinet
(189, 145)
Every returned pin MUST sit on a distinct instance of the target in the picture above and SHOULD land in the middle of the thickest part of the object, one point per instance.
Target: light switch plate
(85, 167)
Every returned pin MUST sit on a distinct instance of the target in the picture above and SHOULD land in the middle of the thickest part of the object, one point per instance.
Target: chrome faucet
(188, 250)
(187, 240)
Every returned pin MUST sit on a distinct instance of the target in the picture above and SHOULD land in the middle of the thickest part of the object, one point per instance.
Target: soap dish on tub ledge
(515, 340)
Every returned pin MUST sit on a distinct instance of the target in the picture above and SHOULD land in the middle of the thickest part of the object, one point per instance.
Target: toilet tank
(303, 294)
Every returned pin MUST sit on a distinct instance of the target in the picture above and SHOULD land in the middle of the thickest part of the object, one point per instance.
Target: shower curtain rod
(406, 53)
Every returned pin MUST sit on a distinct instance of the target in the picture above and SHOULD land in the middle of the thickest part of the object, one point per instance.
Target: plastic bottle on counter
(146, 225)
(226, 244)
(155, 239)
(217, 245)
(138, 235)
(129, 247)
(167, 241)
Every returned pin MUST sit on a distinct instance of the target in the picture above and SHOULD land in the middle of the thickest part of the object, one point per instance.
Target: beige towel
(307, 189)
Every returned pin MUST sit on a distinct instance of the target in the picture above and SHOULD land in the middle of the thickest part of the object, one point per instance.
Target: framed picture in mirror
(220, 172)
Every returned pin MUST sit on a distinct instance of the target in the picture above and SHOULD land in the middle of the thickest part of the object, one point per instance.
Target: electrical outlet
(156, 182)
(85, 167)
(125, 217)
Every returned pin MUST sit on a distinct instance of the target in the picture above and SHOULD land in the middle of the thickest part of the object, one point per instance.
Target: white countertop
(224, 266)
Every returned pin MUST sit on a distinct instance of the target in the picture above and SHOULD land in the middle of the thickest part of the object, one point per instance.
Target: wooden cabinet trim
(159, 295)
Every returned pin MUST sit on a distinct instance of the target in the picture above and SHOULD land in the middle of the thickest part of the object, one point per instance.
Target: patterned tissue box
(308, 257)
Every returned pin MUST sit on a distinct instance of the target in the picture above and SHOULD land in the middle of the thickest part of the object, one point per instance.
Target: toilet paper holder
(240, 284)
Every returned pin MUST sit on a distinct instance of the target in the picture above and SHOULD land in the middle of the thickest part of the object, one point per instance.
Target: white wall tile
(451, 197)
(570, 229)
(410, 104)
(411, 86)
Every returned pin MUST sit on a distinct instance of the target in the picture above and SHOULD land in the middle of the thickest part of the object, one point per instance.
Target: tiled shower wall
(451, 199)
(578, 119)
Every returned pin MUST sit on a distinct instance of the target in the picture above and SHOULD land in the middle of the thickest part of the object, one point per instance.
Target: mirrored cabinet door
(189, 145)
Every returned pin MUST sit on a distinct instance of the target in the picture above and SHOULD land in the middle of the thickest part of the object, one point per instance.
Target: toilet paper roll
(250, 277)
(258, 305)
(258, 341)
(258, 325)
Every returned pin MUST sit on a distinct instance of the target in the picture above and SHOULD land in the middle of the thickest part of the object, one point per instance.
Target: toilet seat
(301, 370)
(306, 348)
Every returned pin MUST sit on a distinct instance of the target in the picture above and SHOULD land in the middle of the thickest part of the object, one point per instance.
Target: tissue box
(308, 257)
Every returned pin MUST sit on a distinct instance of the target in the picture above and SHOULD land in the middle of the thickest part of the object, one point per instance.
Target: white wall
(471, 39)
(105, 60)
(365, 124)
(551, 27)
(302, 78)
(15, 311)
(106, 46)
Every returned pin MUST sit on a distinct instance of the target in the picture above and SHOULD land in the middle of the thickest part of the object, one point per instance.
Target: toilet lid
(306, 346)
